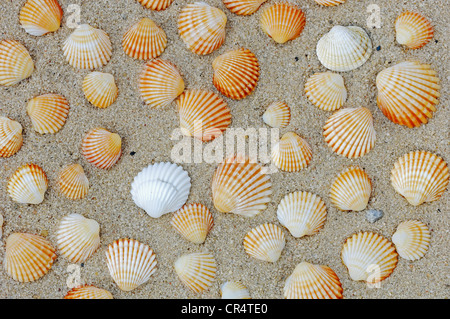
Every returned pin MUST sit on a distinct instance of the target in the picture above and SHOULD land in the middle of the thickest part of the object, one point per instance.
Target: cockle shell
(243, 7)
(202, 27)
(350, 132)
(100, 89)
(413, 30)
(292, 153)
(420, 177)
(15, 62)
(265, 242)
(88, 292)
(234, 290)
(161, 188)
(197, 271)
(87, 48)
(326, 91)
(72, 182)
(130, 263)
(10, 137)
(102, 148)
(203, 115)
(193, 222)
(412, 239)
(277, 115)
(408, 93)
(156, 5)
(28, 257)
(369, 257)
(344, 48)
(28, 184)
(310, 281)
(48, 112)
(329, 3)
(39, 17)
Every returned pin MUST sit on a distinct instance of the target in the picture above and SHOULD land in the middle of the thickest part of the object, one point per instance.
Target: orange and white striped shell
(156, 5)
(102, 148)
(39, 17)
(413, 30)
(412, 239)
(11, 139)
(243, 7)
(193, 222)
(326, 91)
(234, 290)
(48, 112)
(88, 292)
(100, 89)
(197, 270)
(72, 182)
(15, 62)
(292, 153)
(329, 3)
(28, 184)
(265, 242)
(277, 115)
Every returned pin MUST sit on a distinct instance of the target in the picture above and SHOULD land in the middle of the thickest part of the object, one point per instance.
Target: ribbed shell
(329, 3)
(11, 139)
(234, 290)
(197, 271)
(28, 184)
(412, 239)
(72, 182)
(277, 115)
(243, 7)
(48, 112)
(326, 91)
(15, 62)
(100, 89)
(265, 242)
(39, 17)
(88, 292)
(102, 148)
(413, 30)
(292, 153)
(156, 5)
(193, 222)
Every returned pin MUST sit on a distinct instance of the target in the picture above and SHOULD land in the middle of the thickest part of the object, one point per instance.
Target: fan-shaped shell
(100, 89)
(88, 292)
(197, 271)
(72, 182)
(102, 148)
(234, 290)
(156, 5)
(326, 91)
(10, 137)
(48, 112)
(329, 3)
(277, 115)
(193, 222)
(413, 30)
(39, 17)
(243, 7)
(412, 239)
(292, 153)
(15, 62)
(28, 184)
(265, 242)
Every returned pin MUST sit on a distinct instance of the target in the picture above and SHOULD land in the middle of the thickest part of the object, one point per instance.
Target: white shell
(265, 242)
(412, 239)
(234, 290)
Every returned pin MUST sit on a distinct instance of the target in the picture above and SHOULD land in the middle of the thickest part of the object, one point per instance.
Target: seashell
(326, 91)
(39, 17)
(197, 271)
(243, 7)
(28, 257)
(72, 182)
(48, 112)
(412, 239)
(28, 184)
(369, 257)
(408, 92)
(277, 115)
(157, 5)
(350, 132)
(344, 48)
(87, 48)
(78, 237)
(130, 263)
(161, 188)
(351, 189)
(88, 292)
(329, 3)
(203, 115)
(292, 153)
(283, 21)
(202, 27)
(15, 62)
(193, 222)
(240, 187)
(144, 40)
(160, 83)
(265, 242)
(236, 73)
(234, 290)
(102, 148)
(420, 177)
(413, 30)
(310, 281)
(302, 213)
(100, 89)
(10, 137)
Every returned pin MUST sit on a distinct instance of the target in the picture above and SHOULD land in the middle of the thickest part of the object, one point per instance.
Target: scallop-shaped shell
(102, 148)
(161, 188)
(310, 281)
(283, 21)
(144, 40)
(88, 292)
(408, 93)
(28, 184)
(39, 17)
(193, 222)
(87, 48)
(234, 290)
(326, 91)
(72, 182)
(412, 239)
(350, 132)
(15, 62)
(265, 242)
(420, 177)
(78, 237)
(243, 7)
(369, 257)
(203, 115)
(100, 89)
(277, 115)
(413, 30)
(329, 3)
(292, 153)
(160, 83)
(344, 48)
(197, 271)
(28, 257)
(10, 137)
(202, 27)
(48, 112)
(156, 5)
(130, 263)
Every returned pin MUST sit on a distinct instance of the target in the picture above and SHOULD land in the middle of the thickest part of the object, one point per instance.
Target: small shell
(28, 257)
(156, 5)
(412, 239)
(350, 132)
(329, 3)
(265, 242)
(351, 189)
(130, 263)
(48, 112)
(408, 93)
(326, 91)
(292, 153)
(160, 83)
(243, 7)
(88, 292)
(277, 115)
(202, 27)
(102, 148)
(413, 30)
(28, 184)
(144, 40)
(100, 89)
(302, 213)
(10, 137)
(197, 271)
(283, 22)
(39, 17)
(310, 281)
(15, 62)
(193, 222)
(203, 115)
(72, 182)
(420, 177)
(236, 73)
(87, 48)
(234, 290)
(369, 257)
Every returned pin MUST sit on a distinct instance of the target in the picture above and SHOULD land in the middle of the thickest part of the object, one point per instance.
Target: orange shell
(413, 30)
(48, 112)
(88, 292)
(72, 182)
(10, 137)
(156, 5)
(102, 148)
(39, 17)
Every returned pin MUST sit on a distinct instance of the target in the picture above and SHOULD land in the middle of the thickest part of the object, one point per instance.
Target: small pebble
(379, 48)
(372, 215)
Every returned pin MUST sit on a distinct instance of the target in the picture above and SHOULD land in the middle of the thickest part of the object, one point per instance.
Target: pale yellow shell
(413, 30)
(326, 91)
(156, 5)
(193, 222)
(39, 17)
(88, 292)
(243, 7)
(48, 112)
(197, 271)
(412, 239)
(11, 139)
(100, 89)
(72, 182)
(277, 115)
(102, 148)
(15, 62)
(265, 242)
(234, 290)
(292, 153)
(28, 184)
(329, 3)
